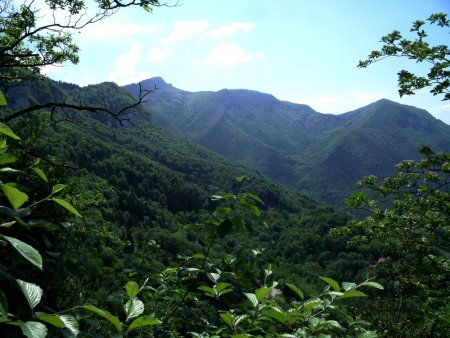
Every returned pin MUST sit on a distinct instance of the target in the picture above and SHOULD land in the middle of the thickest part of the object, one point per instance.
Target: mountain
(318, 154)
(138, 185)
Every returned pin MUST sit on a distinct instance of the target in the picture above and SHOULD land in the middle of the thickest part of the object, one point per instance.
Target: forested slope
(147, 183)
(320, 155)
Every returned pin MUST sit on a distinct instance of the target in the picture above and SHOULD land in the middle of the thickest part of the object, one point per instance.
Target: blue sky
(300, 51)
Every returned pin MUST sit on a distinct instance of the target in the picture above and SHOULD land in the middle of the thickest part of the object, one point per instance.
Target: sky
(301, 51)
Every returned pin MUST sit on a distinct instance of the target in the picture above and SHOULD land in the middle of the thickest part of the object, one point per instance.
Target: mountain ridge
(318, 154)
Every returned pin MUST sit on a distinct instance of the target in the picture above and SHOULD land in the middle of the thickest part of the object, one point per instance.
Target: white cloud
(125, 69)
(51, 69)
(229, 55)
(229, 30)
(184, 30)
(157, 54)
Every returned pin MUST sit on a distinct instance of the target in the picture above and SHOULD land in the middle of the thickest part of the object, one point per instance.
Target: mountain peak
(155, 82)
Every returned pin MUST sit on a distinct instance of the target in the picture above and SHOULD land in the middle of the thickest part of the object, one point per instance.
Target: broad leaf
(353, 293)
(224, 228)
(70, 323)
(105, 314)
(51, 319)
(143, 321)
(252, 298)
(133, 308)
(132, 289)
(276, 314)
(7, 224)
(57, 188)
(296, 290)
(261, 293)
(32, 292)
(41, 174)
(331, 282)
(347, 286)
(373, 285)
(27, 251)
(33, 329)
(7, 158)
(5, 130)
(16, 197)
(66, 205)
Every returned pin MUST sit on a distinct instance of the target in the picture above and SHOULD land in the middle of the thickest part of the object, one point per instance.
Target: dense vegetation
(111, 226)
(319, 155)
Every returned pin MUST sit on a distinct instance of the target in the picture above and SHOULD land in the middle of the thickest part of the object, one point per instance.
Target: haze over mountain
(321, 155)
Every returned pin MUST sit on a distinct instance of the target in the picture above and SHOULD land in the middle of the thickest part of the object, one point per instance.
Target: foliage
(419, 50)
(205, 296)
(30, 39)
(20, 296)
(319, 155)
(415, 235)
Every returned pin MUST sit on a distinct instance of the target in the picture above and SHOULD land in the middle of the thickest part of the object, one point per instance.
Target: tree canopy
(33, 37)
(419, 50)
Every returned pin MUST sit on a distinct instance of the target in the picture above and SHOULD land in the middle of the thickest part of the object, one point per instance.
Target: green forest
(112, 225)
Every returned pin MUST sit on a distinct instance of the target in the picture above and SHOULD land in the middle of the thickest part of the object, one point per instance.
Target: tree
(415, 232)
(419, 50)
(31, 38)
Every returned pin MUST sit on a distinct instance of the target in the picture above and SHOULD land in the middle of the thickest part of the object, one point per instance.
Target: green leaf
(8, 170)
(221, 286)
(105, 314)
(133, 308)
(7, 224)
(347, 286)
(227, 318)
(276, 314)
(214, 277)
(261, 293)
(70, 323)
(67, 206)
(143, 321)
(207, 289)
(373, 285)
(27, 251)
(2, 100)
(216, 197)
(61, 321)
(51, 319)
(132, 289)
(331, 282)
(16, 197)
(238, 223)
(252, 298)
(296, 290)
(352, 293)
(253, 208)
(3, 306)
(7, 158)
(33, 329)
(57, 188)
(224, 228)
(40, 173)
(253, 197)
(4, 129)
(32, 292)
